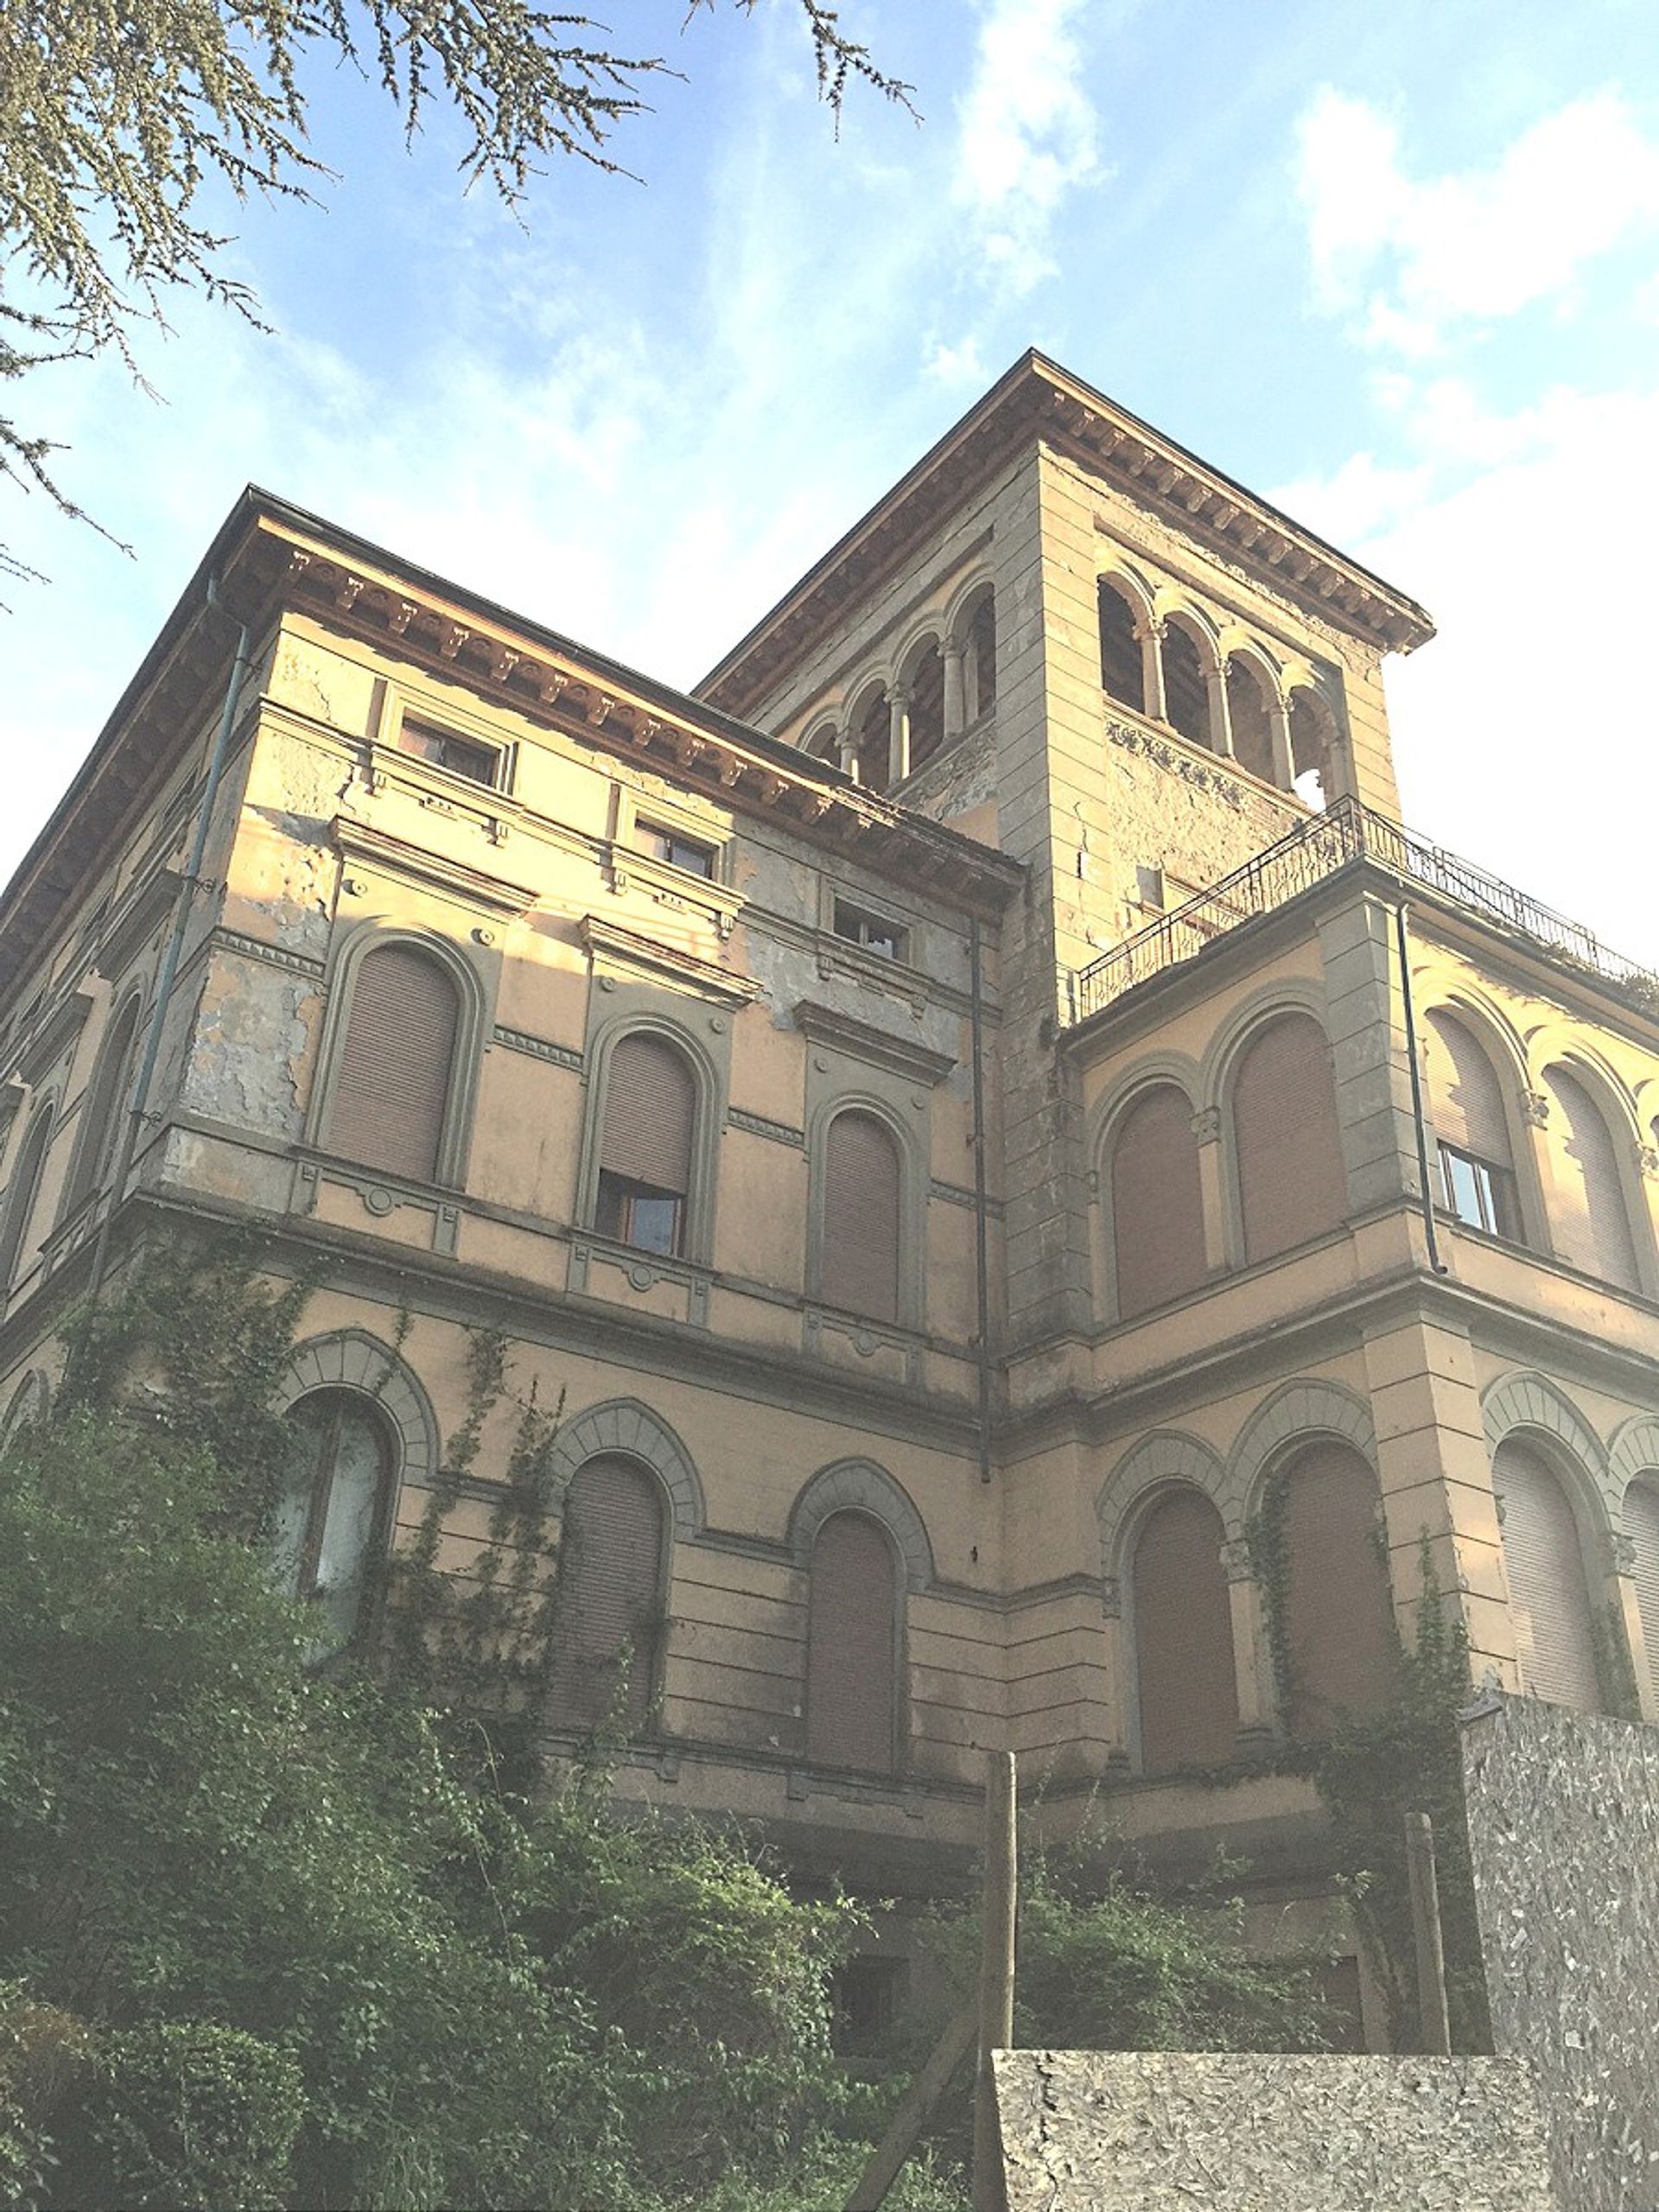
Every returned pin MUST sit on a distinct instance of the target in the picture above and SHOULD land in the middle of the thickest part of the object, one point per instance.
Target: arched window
(645, 1159)
(1550, 1598)
(1157, 1203)
(1642, 1527)
(107, 1096)
(396, 1067)
(21, 1196)
(334, 1514)
(1291, 1185)
(873, 747)
(926, 706)
(1591, 1227)
(1188, 1690)
(608, 1614)
(1121, 669)
(852, 1630)
(1247, 712)
(858, 1248)
(1477, 1169)
(1339, 1618)
(979, 662)
(1187, 696)
(1310, 747)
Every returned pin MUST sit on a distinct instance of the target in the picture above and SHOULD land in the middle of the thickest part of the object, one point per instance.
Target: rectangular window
(1149, 887)
(639, 1214)
(877, 935)
(460, 755)
(1478, 1194)
(674, 850)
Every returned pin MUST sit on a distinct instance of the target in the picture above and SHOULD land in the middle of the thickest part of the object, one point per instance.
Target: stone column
(1116, 1761)
(1221, 720)
(1249, 1646)
(847, 747)
(956, 714)
(1284, 761)
(1212, 1193)
(1541, 1231)
(898, 737)
(1149, 636)
(1624, 1605)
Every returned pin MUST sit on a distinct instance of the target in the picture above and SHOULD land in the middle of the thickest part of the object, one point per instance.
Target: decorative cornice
(862, 1040)
(757, 1125)
(537, 1048)
(274, 955)
(618, 951)
(363, 842)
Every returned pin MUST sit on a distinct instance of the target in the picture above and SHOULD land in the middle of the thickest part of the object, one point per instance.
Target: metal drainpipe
(1419, 1122)
(190, 884)
(981, 1259)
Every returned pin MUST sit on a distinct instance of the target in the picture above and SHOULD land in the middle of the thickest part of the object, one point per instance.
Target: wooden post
(912, 2116)
(996, 1974)
(1432, 2010)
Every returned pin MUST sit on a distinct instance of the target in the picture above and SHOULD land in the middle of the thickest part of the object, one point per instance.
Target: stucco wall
(1563, 1830)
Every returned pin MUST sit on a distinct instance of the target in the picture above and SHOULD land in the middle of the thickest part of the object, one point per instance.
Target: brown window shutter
(1339, 1614)
(391, 1092)
(102, 1111)
(852, 1622)
(1291, 1185)
(1549, 1595)
(1157, 1205)
(24, 1190)
(1466, 1102)
(610, 1596)
(1642, 1527)
(859, 1266)
(1183, 1636)
(650, 1100)
(1596, 1229)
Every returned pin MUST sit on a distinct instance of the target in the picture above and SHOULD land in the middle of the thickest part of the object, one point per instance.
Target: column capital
(1534, 1108)
(1235, 1561)
(1206, 1125)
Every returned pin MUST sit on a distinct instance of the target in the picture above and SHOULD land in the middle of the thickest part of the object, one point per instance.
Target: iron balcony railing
(1307, 855)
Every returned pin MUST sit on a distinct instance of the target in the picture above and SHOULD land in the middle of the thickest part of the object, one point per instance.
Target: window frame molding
(1492, 1036)
(641, 1010)
(15, 1214)
(351, 946)
(1104, 1124)
(848, 1097)
(863, 1486)
(1220, 1066)
(652, 1728)
(377, 1549)
(81, 1183)
(1130, 1528)
(626, 867)
(445, 715)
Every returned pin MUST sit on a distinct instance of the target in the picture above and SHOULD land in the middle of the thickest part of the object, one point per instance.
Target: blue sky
(1397, 269)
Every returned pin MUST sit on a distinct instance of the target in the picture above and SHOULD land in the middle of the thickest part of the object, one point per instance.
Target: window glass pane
(444, 750)
(1465, 1188)
(347, 1527)
(654, 1223)
(678, 852)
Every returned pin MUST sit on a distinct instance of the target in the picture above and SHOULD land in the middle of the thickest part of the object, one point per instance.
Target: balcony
(1322, 847)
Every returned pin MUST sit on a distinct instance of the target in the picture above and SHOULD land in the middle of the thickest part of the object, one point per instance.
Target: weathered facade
(936, 1104)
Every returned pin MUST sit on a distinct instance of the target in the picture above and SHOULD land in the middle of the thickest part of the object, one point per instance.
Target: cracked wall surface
(1089, 2130)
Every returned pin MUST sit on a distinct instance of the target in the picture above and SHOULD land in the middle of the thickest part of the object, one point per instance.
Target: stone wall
(1086, 2130)
(1564, 1831)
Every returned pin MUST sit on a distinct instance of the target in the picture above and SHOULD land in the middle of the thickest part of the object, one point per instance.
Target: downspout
(189, 885)
(981, 1255)
(1419, 1120)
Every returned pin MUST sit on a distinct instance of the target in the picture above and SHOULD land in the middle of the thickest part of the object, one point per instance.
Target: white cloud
(1411, 260)
(959, 366)
(1027, 132)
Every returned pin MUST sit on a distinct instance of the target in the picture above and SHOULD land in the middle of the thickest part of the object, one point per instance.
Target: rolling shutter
(852, 1620)
(610, 1597)
(1596, 1229)
(25, 1189)
(1183, 1636)
(1292, 1184)
(1338, 1615)
(650, 1108)
(1642, 1526)
(859, 1268)
(1157, 1205)
(1550, 1598)
(392, 1090)
(102, 1118)
(1465, 1103)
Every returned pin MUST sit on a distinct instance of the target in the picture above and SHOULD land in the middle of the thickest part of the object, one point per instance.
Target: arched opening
(1310, 747)
(853, 1636)
(1339, 1646)
(1186, 1686)
(1549, 1598)
(1186, 695)
(873, 744)
(926, 682)
(16, 1245)
(1642, 1527)
(1122, 673)
(396, 1067)
(1591, 1225)
(1157, 1202)
(859, 1236)
(1248, 712)
(1476, 1167)
(334, 1512)
(646, 1146)
(1292, 1184)
(979, 660)
(100, 1133)
(607, 1618)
